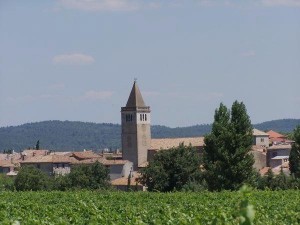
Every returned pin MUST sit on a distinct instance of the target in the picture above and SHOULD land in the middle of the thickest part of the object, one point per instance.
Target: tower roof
(135, 98)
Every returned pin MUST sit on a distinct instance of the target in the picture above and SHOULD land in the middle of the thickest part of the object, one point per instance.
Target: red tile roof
(102, 160)
(274, 134)
(167, 143)
(48, 159)
(5, 163)
(85, 155)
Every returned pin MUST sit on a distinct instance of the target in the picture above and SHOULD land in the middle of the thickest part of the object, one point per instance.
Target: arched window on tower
(145, 117)
(130, 117)
(141, 117)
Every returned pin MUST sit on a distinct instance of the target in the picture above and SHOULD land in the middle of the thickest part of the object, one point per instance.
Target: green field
(84, 207)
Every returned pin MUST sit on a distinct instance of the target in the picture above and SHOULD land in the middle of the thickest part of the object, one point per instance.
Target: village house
(61, 163)
(9, 163)
(276, 138)
(260, 138)
(260, 157)
(50, 164)
(277, 155)
(167, 143)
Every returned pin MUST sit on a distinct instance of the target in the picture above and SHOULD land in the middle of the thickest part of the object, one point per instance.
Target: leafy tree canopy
(88, 176)
(294, 159)
(171, 169)
(30, 178)
(227, 161)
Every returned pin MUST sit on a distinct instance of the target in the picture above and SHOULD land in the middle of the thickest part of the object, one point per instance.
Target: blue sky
(77, 59)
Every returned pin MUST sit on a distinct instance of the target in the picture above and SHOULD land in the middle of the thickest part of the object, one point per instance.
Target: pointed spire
(135, 98)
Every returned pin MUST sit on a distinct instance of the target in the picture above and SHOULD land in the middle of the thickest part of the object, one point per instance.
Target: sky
(76, 60)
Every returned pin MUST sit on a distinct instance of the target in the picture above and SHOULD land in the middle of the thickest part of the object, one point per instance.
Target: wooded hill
(76, 136)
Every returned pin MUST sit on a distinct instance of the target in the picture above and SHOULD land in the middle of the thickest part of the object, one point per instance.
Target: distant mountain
(72, 136)
(283, 126)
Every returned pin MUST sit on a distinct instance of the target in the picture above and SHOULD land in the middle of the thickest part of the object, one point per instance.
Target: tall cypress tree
(227, 161)
(294, 159)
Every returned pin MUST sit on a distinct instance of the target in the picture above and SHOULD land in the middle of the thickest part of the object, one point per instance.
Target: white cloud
(73, 59)
(249, 53)
(100, 5)
(96, 95)
(290, 3)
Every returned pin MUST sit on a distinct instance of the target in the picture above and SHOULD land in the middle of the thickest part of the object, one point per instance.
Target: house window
(262, 140)
(38, 166)
(63, 165)
(274, 154)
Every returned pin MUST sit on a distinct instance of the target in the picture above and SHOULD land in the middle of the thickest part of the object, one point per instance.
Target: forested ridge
(70, 135)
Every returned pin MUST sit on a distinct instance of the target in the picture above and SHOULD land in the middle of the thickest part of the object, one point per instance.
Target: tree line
(73, 136)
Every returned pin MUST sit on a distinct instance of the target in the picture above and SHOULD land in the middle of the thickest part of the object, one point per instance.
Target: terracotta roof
(101, 160)
(84, 155)
(274, 134)
(4, 156)
(280, 147)
(14, 157)
(257, 132)
(88, 161)
(6, 163)
(48, 159)
(167, 143)
(135, 98)
(276, 140)
(115, 162)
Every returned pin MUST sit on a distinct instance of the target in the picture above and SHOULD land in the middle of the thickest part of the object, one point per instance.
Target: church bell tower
(136, 131)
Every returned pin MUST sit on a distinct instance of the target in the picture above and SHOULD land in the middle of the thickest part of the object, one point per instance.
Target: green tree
(31, 178)
(227, 161)
(171, 169)
(294, 159)
(37, 146)
(6, 183)
(88, 176)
